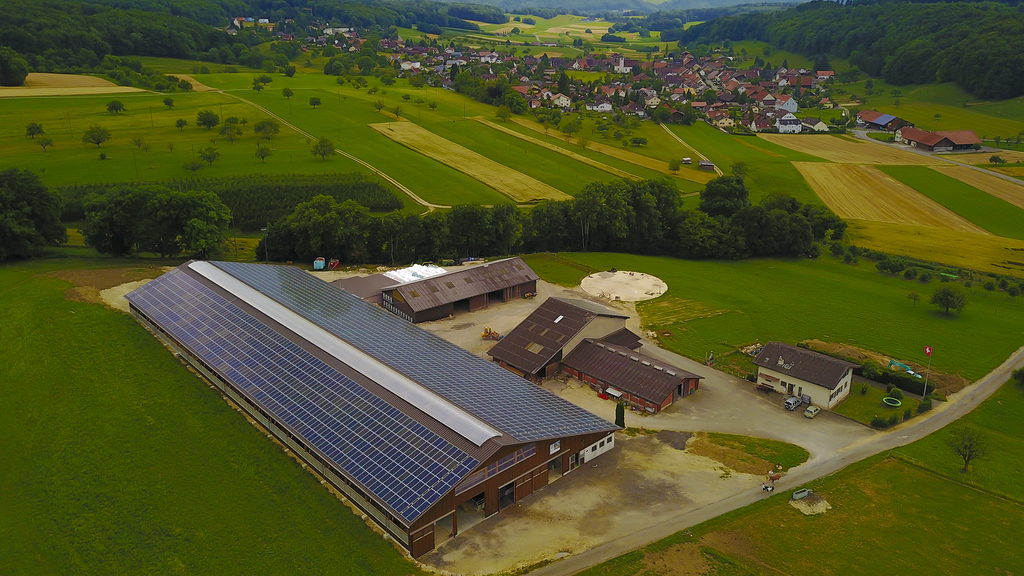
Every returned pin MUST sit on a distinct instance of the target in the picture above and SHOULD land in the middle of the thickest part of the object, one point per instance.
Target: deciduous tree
(287, 93)
(209, 154)
(968, 443)
(29, 215)
(323, 148)
(263, 152)
(267, 129)
(95, 134)
(45, 143)
(207, 119)
(34, 129)
(950, 297)
(169, 102)
(115, 107)
(314, 102)
(180, 124)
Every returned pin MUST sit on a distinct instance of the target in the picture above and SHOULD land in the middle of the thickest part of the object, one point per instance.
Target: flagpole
(927, 372)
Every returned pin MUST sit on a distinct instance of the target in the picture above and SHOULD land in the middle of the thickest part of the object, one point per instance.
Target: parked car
(812, 411)
(792, 403)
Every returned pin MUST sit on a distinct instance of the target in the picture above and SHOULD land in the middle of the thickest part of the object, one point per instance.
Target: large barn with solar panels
(424, 437)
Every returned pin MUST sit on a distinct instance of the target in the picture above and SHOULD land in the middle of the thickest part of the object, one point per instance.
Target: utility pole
(151, 125)
(136, 162)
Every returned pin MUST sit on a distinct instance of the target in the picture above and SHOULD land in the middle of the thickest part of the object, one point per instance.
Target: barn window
(535, 348)
(434, 289)
(414, 294)
(449, 284)
(469, 280)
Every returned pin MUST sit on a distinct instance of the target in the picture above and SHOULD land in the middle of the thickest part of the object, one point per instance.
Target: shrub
(870, 371)
(990, 286)
(908, 414)
(925, 277)
(863, 389)
(103, 155)
(896, 393)
(924, 406)
(894, 419)
(879, 422)
(889, 387)
(837, 249)
(752, 377)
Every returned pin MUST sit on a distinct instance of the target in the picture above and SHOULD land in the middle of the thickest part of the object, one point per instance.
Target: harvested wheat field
(951, 247)
(516, 185)
(848, 152)
(46, 84)
(633, 157)
(985, 157)
(197, 86)
(866, 193)
(1003, 189)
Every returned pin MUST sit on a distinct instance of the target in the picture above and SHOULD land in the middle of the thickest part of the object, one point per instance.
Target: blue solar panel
(512, 404)
(392, 456)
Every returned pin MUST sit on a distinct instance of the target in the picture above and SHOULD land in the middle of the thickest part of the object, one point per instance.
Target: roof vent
(646, 363)
(656, 367)
(670, 373)
(622, 353)
(557, 320)
(634, 358)
(599, 344)
(781, 361)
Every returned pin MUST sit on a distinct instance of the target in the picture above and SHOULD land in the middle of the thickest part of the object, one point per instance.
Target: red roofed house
(938, 141)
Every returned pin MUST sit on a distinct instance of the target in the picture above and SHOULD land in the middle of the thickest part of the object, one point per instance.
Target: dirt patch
(732, 458)
(847, 152)
(197, 86)
(867, 193)
(681, 559)
(49, 80)
(945, 383)
(90, 284)
(512, 183)
(676, 440)
(114, 297)
(1012, 192)
(811, 505)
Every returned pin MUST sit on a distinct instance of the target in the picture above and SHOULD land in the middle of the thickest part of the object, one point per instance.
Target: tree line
(974, 44)
(638, 217)
(256, 199)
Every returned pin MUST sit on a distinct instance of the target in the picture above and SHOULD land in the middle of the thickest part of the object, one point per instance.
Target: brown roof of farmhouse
(803, 364)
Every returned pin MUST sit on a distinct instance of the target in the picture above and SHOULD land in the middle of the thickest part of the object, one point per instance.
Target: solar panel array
(401, 462)
(515, 406)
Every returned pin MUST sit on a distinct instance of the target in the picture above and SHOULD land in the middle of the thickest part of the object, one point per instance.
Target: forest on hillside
(978, 45)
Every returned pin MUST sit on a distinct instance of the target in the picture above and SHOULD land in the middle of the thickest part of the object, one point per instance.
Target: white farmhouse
(816, 378)
(788, 124)
(561, 100)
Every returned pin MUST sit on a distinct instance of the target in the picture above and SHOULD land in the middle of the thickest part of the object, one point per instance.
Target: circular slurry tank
(623, 286)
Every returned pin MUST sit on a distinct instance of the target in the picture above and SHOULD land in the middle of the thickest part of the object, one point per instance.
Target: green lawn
(864, 407)
(558, 270)
(118, 460)
(997, 216)
(957, 109)
(719, 306)
(70, 161)
(1000, 419)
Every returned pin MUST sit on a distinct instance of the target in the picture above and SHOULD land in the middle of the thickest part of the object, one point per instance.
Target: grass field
(984, 158)
(556, 149)
(847, 151)
(118, 460)
(70, 161)
(866, 193)
(737, 303)
(516, 185)
(865, 407)
(950, 247)
(957, 109)
(987, 211)
(999, 418)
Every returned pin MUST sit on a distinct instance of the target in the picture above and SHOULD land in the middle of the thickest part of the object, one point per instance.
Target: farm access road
(695, 151)
(945, 413)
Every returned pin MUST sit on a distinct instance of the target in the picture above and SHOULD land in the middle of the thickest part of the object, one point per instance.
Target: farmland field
(985, 253)
(165, 148)
(988, 211)
(1010, 156)
(515, 185)
(1002, 189)
(866, 193)
(119, 460)
(737, 303)
(846, 151)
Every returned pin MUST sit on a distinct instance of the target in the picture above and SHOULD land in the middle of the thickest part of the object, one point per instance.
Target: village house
(788, 124)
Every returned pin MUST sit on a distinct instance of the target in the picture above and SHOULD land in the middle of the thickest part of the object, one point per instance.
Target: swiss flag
(928, 350)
